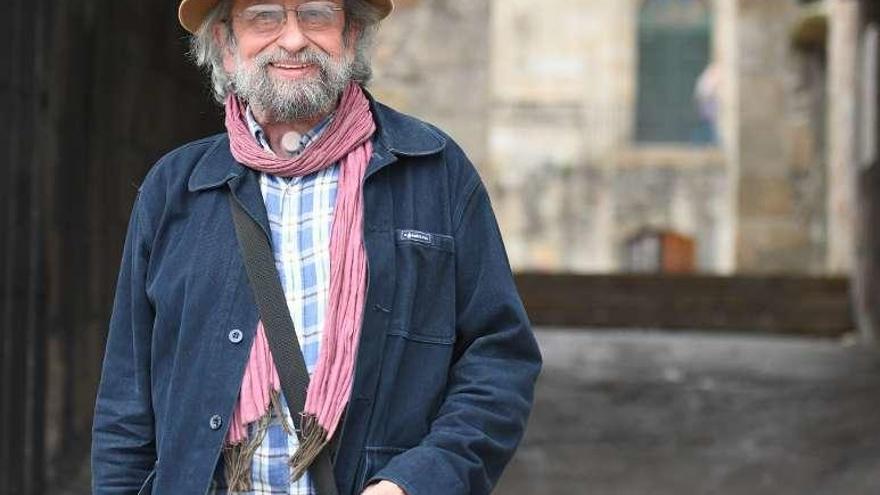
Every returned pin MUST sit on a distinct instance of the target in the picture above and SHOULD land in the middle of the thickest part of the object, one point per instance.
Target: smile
(278, 65)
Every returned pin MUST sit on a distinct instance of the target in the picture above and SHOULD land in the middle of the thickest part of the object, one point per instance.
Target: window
(674, 55)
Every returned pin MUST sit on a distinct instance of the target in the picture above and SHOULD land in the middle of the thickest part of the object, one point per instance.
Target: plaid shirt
(300, 211)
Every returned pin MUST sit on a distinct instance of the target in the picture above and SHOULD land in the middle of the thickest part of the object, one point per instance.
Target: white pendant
(290, 141)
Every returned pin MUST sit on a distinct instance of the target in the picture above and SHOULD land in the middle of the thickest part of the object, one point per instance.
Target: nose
(291, 37)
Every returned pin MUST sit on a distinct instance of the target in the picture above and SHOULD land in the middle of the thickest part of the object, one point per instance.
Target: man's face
(288, 65)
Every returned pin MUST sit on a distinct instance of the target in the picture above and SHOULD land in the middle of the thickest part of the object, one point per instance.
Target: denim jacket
(446, 363)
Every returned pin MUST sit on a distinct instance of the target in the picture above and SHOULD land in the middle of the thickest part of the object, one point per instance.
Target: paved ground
(620, 413)
(625, 413)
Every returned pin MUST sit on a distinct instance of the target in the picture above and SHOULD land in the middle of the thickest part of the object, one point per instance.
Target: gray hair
(208, 54)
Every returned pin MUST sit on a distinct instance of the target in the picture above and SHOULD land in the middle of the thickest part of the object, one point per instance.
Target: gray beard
(285, 100)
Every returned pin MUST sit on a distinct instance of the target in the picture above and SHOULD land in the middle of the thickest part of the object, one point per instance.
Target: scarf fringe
(239, 458)
(314, 439)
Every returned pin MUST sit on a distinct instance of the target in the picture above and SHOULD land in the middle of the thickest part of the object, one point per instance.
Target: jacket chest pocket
(424, 298)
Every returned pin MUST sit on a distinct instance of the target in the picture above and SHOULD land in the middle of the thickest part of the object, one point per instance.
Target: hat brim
(192, 13)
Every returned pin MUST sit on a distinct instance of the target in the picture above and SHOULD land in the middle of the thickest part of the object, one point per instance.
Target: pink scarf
(347, 141)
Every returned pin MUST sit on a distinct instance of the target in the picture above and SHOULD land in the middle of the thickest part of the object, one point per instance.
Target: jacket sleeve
(123, 439)
(491, 381)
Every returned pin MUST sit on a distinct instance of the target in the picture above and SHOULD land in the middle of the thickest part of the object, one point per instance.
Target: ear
(221, 38)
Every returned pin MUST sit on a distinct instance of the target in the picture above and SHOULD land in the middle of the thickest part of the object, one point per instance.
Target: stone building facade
(854, 144)
(432, 60)
(594, 121)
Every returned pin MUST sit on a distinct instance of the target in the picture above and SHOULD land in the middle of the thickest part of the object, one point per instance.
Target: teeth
(284, 66)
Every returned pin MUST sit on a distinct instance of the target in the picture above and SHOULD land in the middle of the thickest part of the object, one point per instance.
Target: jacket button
(216, 422)
(236, 336)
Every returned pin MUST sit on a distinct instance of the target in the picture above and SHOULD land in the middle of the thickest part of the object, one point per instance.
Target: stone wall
(549, 117)
(780, 200)
(683, 191)
(865, 263)
(843, 78)
(432, 61)
(571, 186)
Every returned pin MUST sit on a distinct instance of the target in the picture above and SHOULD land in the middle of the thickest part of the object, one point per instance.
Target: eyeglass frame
(286, 11)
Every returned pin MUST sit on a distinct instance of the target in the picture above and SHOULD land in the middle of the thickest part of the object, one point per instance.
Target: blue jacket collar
(396, 135)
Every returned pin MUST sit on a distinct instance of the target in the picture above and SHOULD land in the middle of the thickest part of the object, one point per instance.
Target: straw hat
(192, 12)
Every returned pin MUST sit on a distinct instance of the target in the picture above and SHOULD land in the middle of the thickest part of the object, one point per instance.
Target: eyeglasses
(269, 19)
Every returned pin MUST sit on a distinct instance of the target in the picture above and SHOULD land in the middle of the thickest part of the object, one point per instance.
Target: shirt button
(216, 422)
(235, 336)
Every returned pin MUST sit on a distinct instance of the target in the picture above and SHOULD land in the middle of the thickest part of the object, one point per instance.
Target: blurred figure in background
(707, 94)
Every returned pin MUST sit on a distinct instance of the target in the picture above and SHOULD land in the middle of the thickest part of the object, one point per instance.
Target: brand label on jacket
(415, 236)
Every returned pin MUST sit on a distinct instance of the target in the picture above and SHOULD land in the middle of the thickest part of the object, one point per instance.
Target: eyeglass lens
(269, 18)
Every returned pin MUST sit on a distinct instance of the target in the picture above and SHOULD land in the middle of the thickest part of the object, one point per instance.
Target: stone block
(766, 197)
(765, 246)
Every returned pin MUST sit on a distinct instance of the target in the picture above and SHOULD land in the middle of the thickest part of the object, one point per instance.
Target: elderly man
(421, 359)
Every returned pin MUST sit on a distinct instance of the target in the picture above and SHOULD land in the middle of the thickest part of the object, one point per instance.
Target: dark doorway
(91, 94)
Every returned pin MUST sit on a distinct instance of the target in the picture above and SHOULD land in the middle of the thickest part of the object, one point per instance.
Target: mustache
(304, 56)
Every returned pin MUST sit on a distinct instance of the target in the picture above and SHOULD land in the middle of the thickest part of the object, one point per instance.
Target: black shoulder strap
(283, 342)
